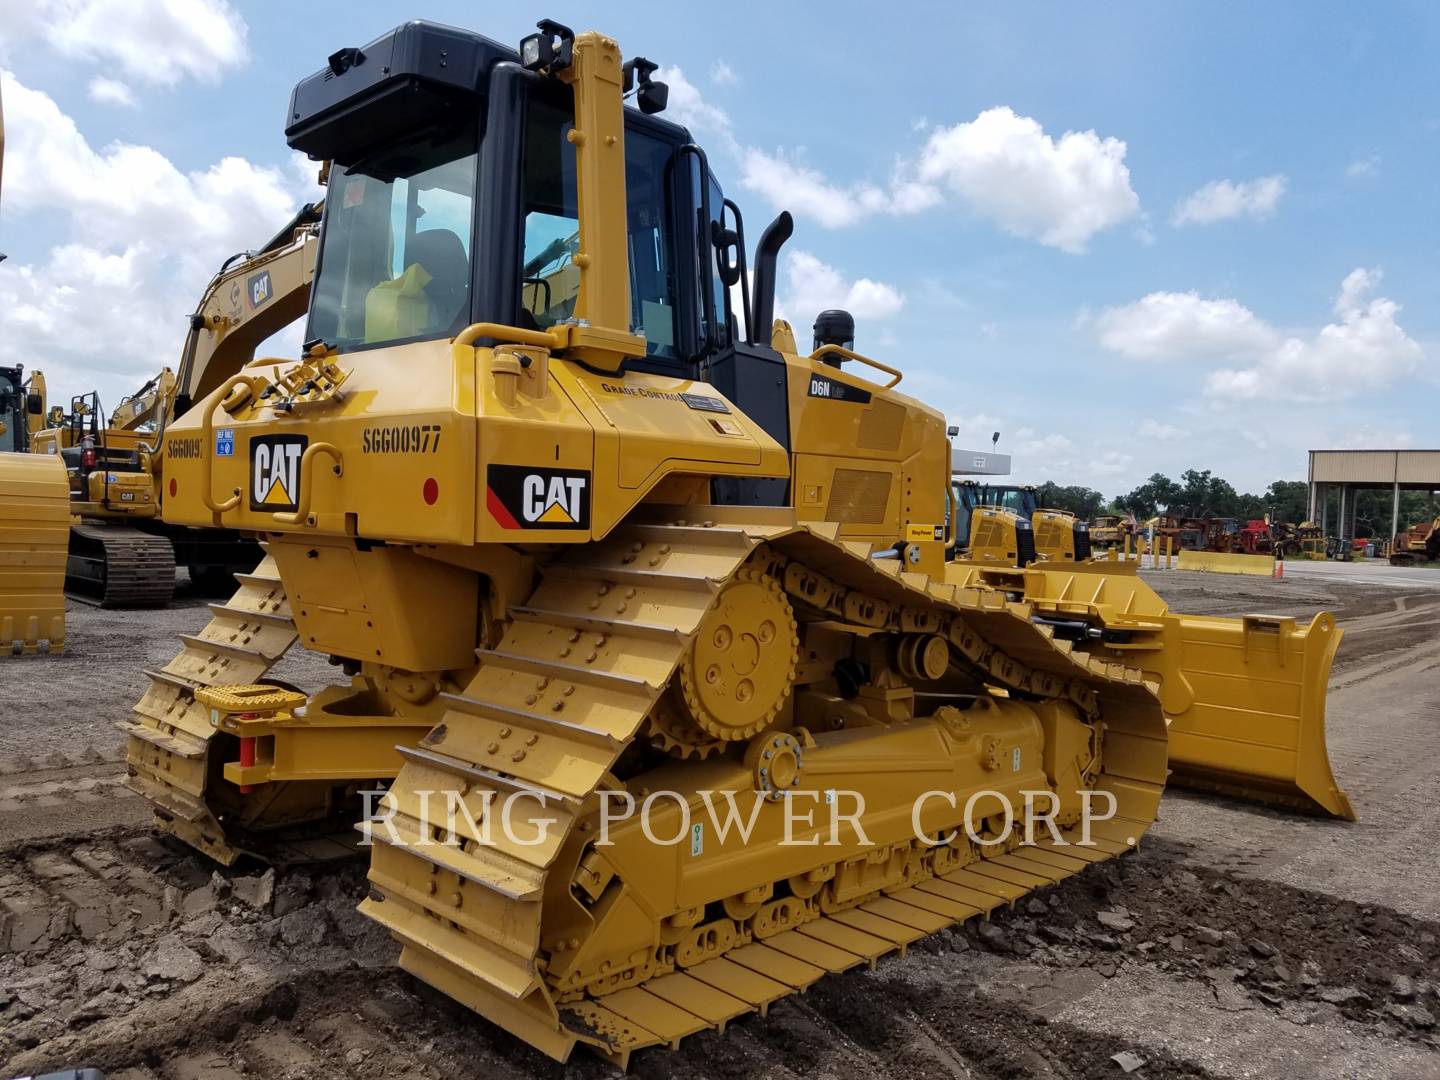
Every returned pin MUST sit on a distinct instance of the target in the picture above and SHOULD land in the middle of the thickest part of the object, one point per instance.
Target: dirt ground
(1238, 942)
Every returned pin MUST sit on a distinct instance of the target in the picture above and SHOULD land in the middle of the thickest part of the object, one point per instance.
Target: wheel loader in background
(34, 517)
(588, 543)
(121, 548)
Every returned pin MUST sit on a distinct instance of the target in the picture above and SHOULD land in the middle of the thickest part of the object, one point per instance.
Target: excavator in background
(121, 549)
(569, 558)
(34, 517)
(1417, 544)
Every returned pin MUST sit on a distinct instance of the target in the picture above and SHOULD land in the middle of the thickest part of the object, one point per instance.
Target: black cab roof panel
(419, 76)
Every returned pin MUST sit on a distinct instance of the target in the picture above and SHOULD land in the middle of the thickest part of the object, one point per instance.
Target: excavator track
(583, 666)
(169, 759)
(128, 568)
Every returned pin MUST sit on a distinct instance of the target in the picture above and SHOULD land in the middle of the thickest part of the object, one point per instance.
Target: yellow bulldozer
(120, 547)
(603, 561)
(1005, 524)
(34, 517)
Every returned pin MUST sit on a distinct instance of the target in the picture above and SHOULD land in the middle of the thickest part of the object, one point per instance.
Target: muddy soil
(1239, 941)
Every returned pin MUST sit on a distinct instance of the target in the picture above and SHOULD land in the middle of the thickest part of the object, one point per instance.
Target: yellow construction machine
(121, 548)
(1416, 545)
(599, 566)
(1005, 524)
(34, 517)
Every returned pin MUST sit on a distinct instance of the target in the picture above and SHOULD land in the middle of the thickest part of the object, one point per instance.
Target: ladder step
(720, 534)
(555, 669)
(240, 651)
(468, 865)
(546, 725)
(257, 582)
(644, 631)
(436, 760)
(164, 742)
(267, 617)
(626, 575)
(178, 681)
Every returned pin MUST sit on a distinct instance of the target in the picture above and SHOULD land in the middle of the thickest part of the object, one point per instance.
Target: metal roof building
(1352, 470)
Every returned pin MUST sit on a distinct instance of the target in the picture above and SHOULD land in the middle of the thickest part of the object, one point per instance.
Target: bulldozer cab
(462, 205)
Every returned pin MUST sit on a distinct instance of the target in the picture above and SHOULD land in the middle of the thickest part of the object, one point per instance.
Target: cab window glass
(395, 254)
(550, 280)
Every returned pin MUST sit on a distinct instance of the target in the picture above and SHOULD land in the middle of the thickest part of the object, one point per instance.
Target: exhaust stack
(767, 252)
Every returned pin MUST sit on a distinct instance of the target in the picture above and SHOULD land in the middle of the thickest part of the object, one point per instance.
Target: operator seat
(440, 254)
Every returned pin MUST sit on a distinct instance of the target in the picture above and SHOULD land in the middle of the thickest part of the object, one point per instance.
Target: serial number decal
(182, 448)
(404, 439)
(835, 390)
(705, 403)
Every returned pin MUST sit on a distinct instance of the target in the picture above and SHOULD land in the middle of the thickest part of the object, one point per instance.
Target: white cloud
(144, 237)
(1032, 444)
(1221, 200)
(1005, 168)
(722, 74)
(111, 92)
(1368, 435)
(159, 42)
(688, 107)
(1174, 326)
(1363, 168)
(813, 286)
(802, 190)
(1153, 429)
(1362, 351)
(126, 193)
(1110, 464)
(1000, 166)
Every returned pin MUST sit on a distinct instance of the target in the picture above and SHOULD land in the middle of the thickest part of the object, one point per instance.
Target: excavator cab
(19, 405)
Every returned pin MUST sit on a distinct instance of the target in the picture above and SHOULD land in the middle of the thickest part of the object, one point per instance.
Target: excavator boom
(119, 547)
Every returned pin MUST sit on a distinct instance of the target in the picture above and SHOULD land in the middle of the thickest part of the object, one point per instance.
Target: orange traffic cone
(1279, 567)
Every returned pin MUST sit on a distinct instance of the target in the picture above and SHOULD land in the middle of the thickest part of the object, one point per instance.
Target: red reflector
(432, 491)
(174, 487)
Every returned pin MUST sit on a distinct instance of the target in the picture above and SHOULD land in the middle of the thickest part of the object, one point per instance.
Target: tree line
(1199, 494)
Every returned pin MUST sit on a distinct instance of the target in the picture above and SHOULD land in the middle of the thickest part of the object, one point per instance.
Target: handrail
(307, 468)
(207, 444)
(516, 335)
(840, 350)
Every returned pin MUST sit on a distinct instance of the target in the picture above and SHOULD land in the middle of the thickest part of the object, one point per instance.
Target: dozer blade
(1256, 725)
(1245, 698)
(34, 525)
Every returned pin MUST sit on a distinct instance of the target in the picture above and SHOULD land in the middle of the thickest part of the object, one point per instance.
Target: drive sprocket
(740, 668)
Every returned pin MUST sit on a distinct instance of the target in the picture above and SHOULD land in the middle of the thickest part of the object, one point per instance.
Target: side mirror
(727, 253)
(34, 404)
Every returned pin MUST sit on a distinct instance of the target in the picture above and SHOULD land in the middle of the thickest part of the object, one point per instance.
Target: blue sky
(1131, 237)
